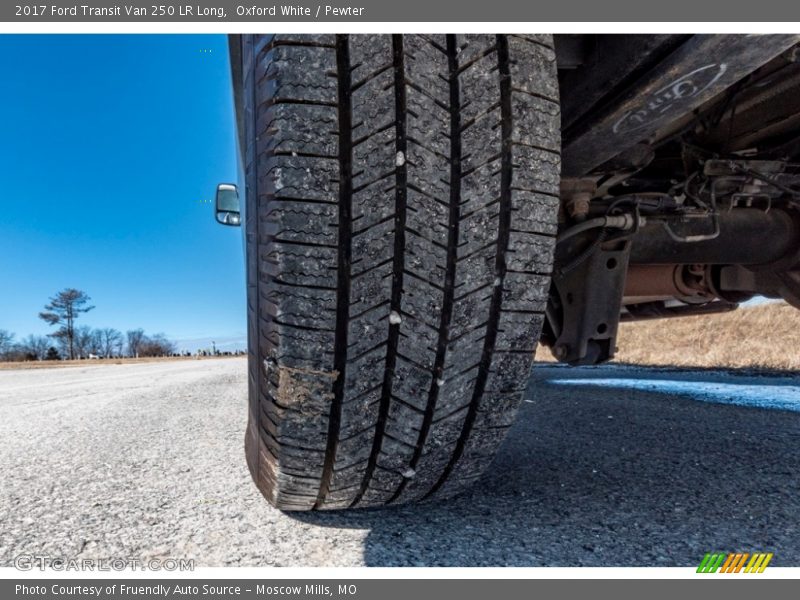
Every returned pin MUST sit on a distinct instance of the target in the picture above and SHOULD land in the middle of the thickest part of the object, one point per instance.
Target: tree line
(71, 341)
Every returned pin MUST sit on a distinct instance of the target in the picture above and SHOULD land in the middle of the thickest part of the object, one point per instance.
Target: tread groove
(398, 265)
(503, 236)
(343, 264)
(454, 218)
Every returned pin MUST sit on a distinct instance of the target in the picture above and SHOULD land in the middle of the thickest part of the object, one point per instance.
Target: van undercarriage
(696, 140)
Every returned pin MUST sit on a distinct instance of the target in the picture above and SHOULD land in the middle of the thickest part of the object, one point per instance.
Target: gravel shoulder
(147, 461)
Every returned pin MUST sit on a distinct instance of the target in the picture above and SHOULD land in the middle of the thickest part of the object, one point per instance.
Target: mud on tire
(401, 210)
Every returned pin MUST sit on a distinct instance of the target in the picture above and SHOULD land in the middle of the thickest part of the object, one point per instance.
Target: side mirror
(227, 206)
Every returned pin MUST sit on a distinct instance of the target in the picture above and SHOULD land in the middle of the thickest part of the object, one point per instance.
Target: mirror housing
(228, 209)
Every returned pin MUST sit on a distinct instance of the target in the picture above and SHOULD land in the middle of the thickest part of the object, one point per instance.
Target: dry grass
(765, 336)
(49, 364)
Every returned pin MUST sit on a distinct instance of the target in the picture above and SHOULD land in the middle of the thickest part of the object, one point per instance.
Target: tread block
(299, 73)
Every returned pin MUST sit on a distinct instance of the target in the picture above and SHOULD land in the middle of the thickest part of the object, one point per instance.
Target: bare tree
(62, 343)
(36, 346)
(6, 342)
(96, 342)
(156, 345)
(66, 306)
(80, 341)
(87, 341)
(110, 342)
(165, 345)
(135, 339)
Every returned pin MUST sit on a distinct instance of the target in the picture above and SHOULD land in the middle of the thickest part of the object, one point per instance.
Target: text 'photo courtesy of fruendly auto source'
(392, 299)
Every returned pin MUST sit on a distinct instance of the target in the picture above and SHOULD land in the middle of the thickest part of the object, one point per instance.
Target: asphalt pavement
(605, 466)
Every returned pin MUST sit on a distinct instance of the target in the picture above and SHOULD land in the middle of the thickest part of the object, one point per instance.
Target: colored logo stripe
(758, 563)
(740, 564)
(733, 562)
(711, 562)
(766, 562)
(727, 564)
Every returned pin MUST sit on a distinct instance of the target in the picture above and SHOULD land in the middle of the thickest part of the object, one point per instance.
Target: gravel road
(605, 466)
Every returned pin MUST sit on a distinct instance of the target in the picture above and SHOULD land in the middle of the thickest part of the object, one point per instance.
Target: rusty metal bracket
(590, 298)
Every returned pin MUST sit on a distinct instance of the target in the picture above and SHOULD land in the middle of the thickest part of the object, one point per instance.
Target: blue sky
(110, 151)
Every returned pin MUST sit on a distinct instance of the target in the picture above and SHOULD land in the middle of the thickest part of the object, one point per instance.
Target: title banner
(403, 11)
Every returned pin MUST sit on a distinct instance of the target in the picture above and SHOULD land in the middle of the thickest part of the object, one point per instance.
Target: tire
(402, 196)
